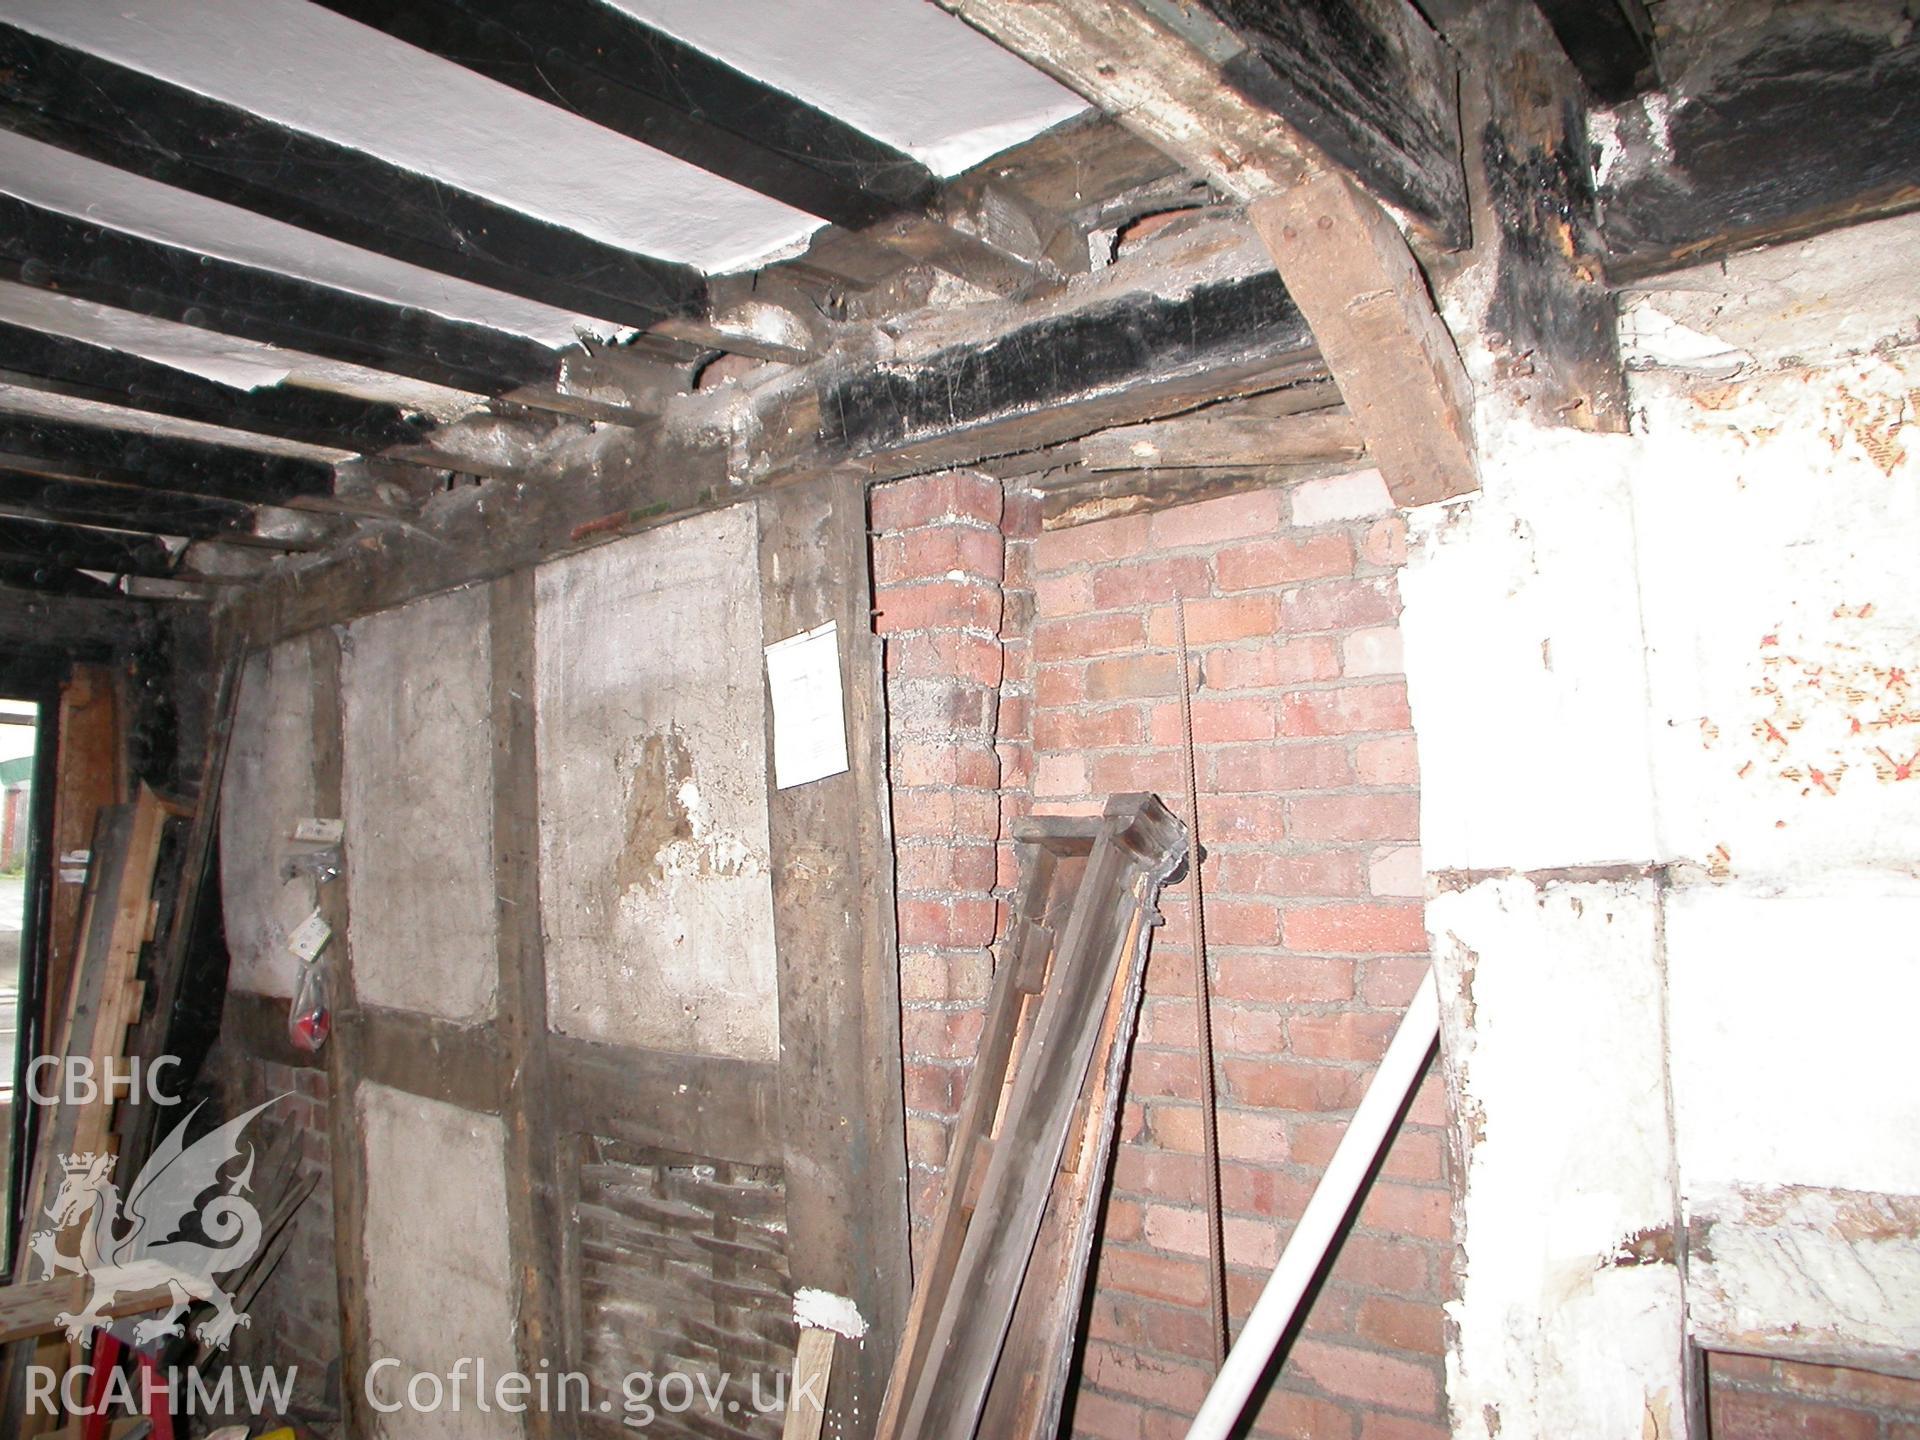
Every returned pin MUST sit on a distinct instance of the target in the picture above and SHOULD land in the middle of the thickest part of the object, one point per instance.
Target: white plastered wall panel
(654, 889)
(1687, 651)
(1778, 519)
(1797, 1114)
(1793, 1059)
(439, 1282)
(268, 788)
(1525, 664)
(418, 799)
(1551, 1004)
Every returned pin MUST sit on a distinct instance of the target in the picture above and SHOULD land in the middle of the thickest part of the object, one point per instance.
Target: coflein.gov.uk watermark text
(644, 1396)
(390, 1388)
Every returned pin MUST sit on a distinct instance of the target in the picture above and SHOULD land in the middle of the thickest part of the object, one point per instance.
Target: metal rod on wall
(1203, 1018)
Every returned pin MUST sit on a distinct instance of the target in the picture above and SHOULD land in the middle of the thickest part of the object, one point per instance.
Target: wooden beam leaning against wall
(90, 773)
(1229, 98)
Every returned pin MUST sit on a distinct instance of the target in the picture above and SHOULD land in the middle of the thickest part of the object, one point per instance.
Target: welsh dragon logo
(140, 1245)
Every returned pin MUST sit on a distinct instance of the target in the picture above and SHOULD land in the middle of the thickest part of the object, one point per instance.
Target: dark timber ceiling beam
(1773, 133)
(612, 69)
(58, 365)
(1610, 43)
(136, 122)
(52, 250)
(1549, 329)
(76, 547)
(78, 500)
(165, 462)
(1257, 96)
(80, 629)
(27, 573)
(1165, 330)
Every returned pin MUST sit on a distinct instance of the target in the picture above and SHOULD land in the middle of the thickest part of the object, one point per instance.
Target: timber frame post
(842, 1108)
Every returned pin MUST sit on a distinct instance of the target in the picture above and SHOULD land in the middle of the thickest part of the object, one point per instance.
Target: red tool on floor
(155, 1394)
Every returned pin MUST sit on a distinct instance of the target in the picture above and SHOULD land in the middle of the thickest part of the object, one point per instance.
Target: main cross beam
(1197, 319)
(1257, 96)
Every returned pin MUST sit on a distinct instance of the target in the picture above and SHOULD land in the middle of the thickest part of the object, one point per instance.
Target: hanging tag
(310, 937)
(314, 831)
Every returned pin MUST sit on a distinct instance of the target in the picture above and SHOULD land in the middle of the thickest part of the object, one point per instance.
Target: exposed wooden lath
(74, 547)
(75, 498)
(162, 461)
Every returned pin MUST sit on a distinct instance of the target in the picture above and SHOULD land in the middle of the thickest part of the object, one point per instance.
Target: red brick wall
(1755, 1399)
(937, 570)
(296, 1314)
(1309, 808)
(1309, 813)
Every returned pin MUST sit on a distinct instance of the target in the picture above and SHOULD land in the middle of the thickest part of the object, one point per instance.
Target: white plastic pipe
(1398, 1073)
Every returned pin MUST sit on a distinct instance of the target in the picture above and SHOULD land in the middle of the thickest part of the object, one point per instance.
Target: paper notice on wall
(809, 712)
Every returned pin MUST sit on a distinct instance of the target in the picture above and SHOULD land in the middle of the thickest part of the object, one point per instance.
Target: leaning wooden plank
(117, 912)
(87, 777)
(127, 934)
(86, 992)
(80, 1015)
(1053, 851)
(31, 1309)
(812, 1369)
(149, 1039)
(1140, 842)
(1025, 1399)
(128, 930)
(1349, 270)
